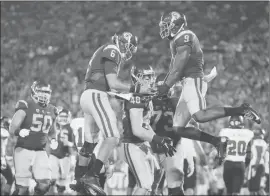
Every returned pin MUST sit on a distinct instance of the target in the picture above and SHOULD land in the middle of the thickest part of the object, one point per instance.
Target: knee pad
(42, 187)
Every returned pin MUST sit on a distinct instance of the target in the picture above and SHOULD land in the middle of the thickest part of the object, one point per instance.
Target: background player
(102, 76)
(187, 66)
(61, 155)
(234, 165)
(137, 131)
(32, 122)
(6, 172)
(256, 167)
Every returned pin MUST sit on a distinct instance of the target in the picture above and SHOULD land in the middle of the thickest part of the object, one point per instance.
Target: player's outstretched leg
(213, 113)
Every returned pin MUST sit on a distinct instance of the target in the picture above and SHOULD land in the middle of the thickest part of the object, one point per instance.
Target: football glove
(24, 132)
(166, 145)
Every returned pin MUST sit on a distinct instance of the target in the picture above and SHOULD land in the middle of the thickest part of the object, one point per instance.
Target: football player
(234, 165)
(32, 122)
(5, 167)
(137, 133)
(187, 66)
(102, 76)
(61, 154)
(256, 167)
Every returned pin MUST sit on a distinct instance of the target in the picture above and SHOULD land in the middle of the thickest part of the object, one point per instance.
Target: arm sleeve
(110, 67)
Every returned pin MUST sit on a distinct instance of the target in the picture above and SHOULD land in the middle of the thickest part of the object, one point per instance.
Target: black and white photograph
(135, 98)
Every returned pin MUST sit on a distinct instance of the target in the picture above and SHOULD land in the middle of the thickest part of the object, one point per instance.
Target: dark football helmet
(172, 23)
(143, 76)
(63, 117)
(259, 132)
(41, 93)
(236, 122)
(126, 43)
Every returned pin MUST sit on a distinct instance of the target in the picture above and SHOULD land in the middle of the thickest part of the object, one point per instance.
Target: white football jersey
(258, 151)
(77, 125)
(238, 142)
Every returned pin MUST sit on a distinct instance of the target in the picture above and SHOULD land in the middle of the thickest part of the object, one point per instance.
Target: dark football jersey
(135, 102)
(162, 119)
(39, 121)
(64, 133)
(194, 66)
(97, 70)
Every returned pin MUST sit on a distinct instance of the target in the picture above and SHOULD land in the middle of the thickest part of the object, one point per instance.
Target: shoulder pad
(184, 38)
(112, 52)
(21, 105)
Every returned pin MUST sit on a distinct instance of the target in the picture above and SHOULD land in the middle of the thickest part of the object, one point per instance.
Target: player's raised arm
(18, 117)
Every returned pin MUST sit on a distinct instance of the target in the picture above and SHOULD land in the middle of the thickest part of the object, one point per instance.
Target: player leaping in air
(187, 66)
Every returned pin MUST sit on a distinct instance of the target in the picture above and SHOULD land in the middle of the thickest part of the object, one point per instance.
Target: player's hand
(54, 144)
(24, 132)
(191, 170)
(166, 144)
(163, 89)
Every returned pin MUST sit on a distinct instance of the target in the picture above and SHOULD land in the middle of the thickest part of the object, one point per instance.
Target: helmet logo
(175, 16)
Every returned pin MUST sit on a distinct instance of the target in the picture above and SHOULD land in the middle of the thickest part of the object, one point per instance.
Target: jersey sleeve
(134, 102)
(21, 105)
(111, 52)
(222, 132)
(184, 38)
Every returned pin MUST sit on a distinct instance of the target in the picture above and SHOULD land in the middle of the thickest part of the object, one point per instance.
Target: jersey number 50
(41, 123)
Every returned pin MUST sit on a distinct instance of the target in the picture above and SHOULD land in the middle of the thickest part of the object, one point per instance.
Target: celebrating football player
(187, 66)
(234, 165)
(102, 76)
(32, 122)
(256, 167)
(138, 132)
(62, 152)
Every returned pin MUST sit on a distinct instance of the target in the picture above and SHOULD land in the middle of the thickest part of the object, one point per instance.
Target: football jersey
(77, 124)
(95, 77)
(237, 144)
(258, 150)
(135, 102)
(63, 133)
(194, 65)
(39, 121)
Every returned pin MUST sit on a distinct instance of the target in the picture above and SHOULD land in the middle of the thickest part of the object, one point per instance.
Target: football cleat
(91, 185)
(250, 113)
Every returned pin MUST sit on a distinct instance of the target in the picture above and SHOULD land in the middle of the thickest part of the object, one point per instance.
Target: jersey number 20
(237, 148)
(41, 123)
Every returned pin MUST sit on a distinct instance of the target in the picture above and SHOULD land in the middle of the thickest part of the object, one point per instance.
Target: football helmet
(63, 117)
(143, 76)
(126, 43)
(236, 122)
(5, 122)
(172, 23)
(41, 93)
(259, 132)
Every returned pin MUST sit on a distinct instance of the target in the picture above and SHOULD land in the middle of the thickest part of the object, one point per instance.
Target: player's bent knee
(21, 190)
(114, 141)
(199, 117)
(42, 186)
